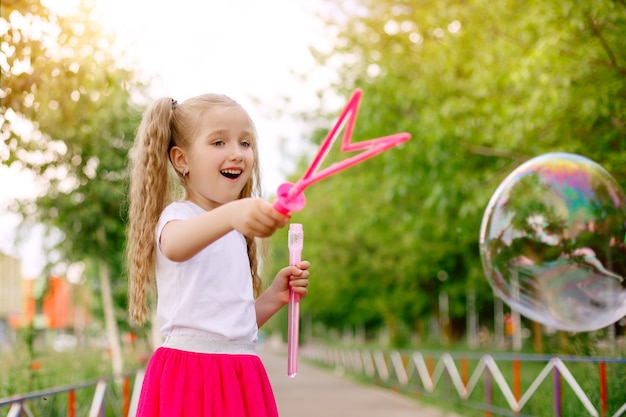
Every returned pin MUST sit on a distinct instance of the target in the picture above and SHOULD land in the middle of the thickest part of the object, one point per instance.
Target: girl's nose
(236, 153)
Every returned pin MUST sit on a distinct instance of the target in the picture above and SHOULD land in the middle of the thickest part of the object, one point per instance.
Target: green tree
(482, 87)
(60, 80)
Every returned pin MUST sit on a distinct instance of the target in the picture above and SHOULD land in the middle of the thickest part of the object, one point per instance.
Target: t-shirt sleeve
(175, 211)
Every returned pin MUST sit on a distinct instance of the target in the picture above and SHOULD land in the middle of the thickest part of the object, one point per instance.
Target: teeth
(231, 173)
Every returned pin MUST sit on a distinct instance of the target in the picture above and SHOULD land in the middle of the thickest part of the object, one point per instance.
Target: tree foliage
(62, 80)
(482, 87)
(68, 116)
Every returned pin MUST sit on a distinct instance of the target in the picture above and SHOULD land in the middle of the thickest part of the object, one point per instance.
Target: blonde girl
(203, 253)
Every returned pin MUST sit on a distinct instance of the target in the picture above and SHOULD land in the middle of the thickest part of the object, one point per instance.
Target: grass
(25, 369)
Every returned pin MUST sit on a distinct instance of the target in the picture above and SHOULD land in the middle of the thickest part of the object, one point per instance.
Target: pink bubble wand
(295, 244)
(290, 197)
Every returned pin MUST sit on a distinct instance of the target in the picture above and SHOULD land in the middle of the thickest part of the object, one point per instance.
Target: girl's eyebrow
(222, 132)
(217, 132)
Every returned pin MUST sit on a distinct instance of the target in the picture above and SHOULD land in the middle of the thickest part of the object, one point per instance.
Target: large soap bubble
(553, 243)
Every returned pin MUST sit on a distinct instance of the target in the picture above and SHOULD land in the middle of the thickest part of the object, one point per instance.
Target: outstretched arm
(254, 217)
(277, 295)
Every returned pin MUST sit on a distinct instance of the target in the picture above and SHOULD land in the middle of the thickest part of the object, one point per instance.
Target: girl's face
(221, 157)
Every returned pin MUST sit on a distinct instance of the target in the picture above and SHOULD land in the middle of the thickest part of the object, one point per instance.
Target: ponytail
(149, 194)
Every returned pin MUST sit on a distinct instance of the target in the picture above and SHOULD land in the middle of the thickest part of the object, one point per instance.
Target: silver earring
(184, 172)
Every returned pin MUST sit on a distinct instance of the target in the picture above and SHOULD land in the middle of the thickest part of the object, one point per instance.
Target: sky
(246, 49)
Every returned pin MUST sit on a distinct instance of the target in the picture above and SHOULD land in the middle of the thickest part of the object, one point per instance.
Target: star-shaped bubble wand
(290, 197)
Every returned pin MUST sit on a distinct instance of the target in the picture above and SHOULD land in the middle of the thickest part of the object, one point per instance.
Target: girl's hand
(255, 217)
(294, 277)
(277, 295)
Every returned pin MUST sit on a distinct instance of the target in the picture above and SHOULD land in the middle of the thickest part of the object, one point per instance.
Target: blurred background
(482, 87)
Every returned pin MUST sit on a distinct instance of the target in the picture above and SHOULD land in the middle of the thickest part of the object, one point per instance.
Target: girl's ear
(179, 160)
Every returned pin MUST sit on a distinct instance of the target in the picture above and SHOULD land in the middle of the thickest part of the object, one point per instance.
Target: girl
(203, 252)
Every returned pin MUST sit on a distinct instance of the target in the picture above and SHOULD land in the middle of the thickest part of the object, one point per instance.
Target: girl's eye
(246, 144)
(218, 143)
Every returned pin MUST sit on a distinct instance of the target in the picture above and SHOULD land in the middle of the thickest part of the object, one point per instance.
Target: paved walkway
(315, 392)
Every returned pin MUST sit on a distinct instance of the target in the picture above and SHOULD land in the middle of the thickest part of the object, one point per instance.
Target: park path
(316, 392)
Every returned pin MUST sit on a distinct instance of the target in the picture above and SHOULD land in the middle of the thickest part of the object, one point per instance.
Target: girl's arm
(180, 240)
(277, 295)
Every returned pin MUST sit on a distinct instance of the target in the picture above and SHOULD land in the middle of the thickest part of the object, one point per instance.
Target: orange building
(63, 305)
(58, 304)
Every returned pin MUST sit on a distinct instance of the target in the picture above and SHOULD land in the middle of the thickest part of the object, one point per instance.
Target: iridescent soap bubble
(553, 243)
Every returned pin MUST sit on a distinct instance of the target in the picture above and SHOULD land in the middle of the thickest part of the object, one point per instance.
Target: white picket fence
(427, 371)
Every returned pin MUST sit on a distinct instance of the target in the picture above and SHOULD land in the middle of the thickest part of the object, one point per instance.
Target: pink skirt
(192, 382)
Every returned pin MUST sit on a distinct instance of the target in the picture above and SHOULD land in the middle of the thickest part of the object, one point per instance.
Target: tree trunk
(537, 337)
(110, 323)
(564, 345)
(444, 319)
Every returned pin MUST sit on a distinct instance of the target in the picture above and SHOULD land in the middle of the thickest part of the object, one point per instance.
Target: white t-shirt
(211, 294)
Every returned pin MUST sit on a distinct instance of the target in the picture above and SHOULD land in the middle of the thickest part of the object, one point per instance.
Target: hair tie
(174, 104)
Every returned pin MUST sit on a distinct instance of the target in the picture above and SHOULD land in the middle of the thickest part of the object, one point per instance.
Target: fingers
(258, 218)
(274, 217)
(304, 265)
(299, 278)
(268, 219)
(299, 271)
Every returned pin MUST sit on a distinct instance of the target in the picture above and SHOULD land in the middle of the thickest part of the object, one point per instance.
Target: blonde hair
(166, 124)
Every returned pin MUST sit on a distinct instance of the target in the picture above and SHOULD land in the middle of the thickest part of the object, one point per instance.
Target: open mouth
(232, 174)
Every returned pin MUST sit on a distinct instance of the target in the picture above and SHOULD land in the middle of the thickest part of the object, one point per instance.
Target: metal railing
(20, 405)
(423, 373)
